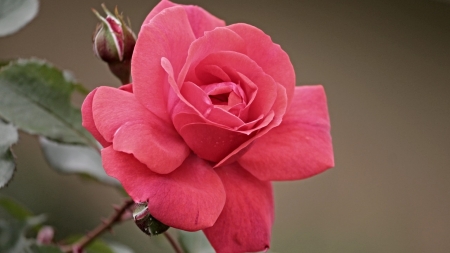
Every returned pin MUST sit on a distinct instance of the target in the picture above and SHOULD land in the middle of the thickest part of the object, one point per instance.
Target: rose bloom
(211, 118)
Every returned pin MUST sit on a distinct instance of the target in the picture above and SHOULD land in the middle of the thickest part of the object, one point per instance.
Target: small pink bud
(113, 42)
(45, 235)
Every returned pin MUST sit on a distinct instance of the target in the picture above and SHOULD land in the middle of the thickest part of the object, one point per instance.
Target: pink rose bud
(45, 235)
(114, 43)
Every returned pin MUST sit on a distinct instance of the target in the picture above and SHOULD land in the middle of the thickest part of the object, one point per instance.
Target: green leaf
(194, 242)
(8, 137)
(12, 237)
(78, 159)
(7, 168)
(14, 209)
(35, 97)
(13, 234)
(18, 224)
(15, 14)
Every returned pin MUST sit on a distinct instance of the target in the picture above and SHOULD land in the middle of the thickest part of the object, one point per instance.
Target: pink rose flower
(212, 117)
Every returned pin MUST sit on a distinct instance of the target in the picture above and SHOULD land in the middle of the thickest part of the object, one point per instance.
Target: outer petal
(167, 35)
(269, 56)
(112, 108)
(121, 119)
(300, 147)
(246, 220)
(200, 20)
(190, 198)
(155, 144)
(88, 119)
(164, 4)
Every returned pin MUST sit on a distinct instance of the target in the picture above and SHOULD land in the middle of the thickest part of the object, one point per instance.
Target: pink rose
(212, 116)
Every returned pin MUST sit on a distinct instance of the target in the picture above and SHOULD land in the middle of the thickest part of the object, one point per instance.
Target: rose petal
(259, 107)
(127, 87)
(217, 40)
(162, 5)
(278, 110)
(224, 118)
(211, 74)
(167, 35)
(274, 116)
(88, 119)
(242, 65)
(190, 198)
(199, 19)
(200, 100)
(155, 144)
(300, 147)
(196, 97)
(181, 102)
(201, 106)
(112, 108)
(268, 55)
(191, 113)
(210, 142)
(184, 114)
(247, 217)
(257, 124)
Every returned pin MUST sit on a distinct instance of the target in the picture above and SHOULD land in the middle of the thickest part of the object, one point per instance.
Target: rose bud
(114, 43)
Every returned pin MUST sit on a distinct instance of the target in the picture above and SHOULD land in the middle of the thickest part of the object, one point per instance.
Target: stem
(121, 70)
(106, 225)
(173, 243)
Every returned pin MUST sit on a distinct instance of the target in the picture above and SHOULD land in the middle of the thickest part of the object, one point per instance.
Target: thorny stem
(100, 229)
(117, 217)
(173, 243)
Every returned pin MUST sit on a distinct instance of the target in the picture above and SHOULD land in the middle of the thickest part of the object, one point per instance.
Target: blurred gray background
(385, 66)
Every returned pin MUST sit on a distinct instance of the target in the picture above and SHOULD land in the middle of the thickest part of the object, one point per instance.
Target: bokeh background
(385, 66)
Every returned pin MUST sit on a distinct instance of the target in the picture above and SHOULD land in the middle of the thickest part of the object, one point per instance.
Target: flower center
(220, 99)
(226, 95)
